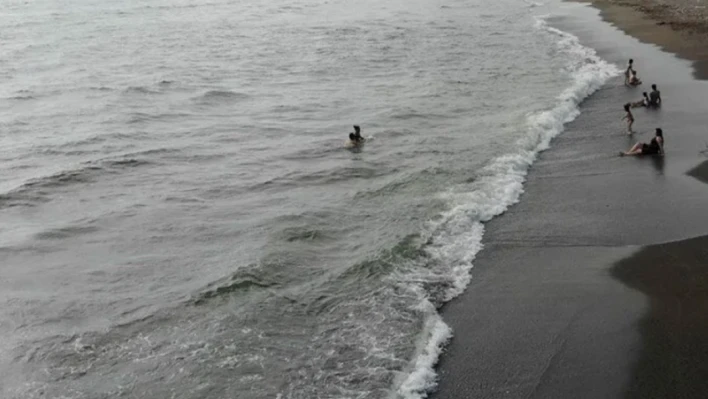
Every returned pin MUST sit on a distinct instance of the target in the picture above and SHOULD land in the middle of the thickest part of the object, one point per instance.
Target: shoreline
(557, 304)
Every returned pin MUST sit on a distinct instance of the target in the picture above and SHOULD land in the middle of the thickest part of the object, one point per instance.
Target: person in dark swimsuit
(654, 97)
(655, 146)
(629, 117)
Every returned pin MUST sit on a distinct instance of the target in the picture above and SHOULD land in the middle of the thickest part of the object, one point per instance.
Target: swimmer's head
(644, 94)
(653, 87)
(352, 137)
(631, 61)
(659, 132)
(626, 107)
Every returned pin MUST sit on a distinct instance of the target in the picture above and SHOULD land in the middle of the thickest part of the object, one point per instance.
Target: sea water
(180, 217)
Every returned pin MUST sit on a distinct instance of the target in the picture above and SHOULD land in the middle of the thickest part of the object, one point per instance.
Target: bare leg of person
(636, 150)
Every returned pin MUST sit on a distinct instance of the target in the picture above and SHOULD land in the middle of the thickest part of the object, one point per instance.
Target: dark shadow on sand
(700, 172)
(674, 359)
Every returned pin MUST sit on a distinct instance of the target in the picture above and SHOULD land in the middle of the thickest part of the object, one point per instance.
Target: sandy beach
(677, 26)
(594, 285)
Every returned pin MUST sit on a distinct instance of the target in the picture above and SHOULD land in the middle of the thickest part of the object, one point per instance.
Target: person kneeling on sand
(654, 97)
(655, 146)
(643, 102)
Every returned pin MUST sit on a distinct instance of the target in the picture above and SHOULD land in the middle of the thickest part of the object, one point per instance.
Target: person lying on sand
(643, 102)
(628, 72)
(634, 80)
(629, 117)
(655, 146)
(654, 97)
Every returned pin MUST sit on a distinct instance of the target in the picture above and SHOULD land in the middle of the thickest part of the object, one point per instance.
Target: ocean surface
(180, 218)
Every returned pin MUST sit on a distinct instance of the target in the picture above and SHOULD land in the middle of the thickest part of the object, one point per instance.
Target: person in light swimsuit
(643, 102)
(629, 117)
(628, 72)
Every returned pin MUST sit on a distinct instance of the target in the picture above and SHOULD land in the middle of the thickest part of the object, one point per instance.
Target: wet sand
(594, 285)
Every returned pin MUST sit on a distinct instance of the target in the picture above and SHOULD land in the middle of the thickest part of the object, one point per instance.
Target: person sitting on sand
(643, 102)
(629, 117)
(654, 97)
(634, 80)
(628, 72)
(655, 146)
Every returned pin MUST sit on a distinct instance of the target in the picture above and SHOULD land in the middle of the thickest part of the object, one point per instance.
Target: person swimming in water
(655, 146)
(355, 138)
(628, 72)
(357, 133)
(643, 102)
(654, 97)
(629, 117)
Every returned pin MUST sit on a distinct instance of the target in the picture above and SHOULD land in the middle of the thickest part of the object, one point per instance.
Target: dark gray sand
(576, 294)
(542, 321)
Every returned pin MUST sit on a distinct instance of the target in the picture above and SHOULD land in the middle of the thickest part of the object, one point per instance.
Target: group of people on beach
(651, 100)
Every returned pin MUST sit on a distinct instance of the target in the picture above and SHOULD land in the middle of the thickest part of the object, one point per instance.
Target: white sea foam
(457, 237)
(422, 378)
